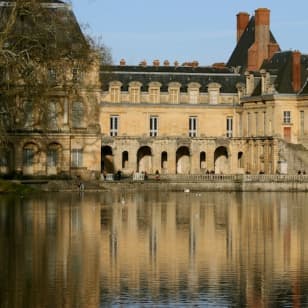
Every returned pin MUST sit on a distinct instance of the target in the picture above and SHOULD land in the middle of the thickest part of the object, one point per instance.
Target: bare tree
(42, 52)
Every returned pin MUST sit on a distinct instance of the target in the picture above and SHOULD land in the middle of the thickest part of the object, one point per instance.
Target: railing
(230, 178)
(234, 178)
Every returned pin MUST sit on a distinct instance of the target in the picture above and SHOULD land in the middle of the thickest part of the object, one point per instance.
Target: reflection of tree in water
(163, 247)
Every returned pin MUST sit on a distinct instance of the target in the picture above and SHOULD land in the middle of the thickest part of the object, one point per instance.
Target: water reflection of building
(74, 251)
(193, 243)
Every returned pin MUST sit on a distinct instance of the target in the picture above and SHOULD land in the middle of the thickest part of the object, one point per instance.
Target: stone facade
(174, 119)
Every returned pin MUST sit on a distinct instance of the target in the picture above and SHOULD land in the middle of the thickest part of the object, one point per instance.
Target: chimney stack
(262, 34)
(242, 22)
(261, 49)
(296, 70)
(156, 63)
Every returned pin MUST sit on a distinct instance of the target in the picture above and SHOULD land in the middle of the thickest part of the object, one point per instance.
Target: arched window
(202, 160)
(164, 160)
(240, 160)
(124, 160)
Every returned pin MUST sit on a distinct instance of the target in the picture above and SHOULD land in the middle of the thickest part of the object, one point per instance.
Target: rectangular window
(114, 125)
(77, 158)
(52, 75)
(229, 127)
(28, 157)
(52, 116)
(153, 126)
(77, 114)
(52, 158)
(302, 122)
(287, 117)
(28, 114)
(192, 126)
(193, 96)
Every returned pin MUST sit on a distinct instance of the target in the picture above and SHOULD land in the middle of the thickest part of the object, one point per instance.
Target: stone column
(210, 164)
(156, 158)
(194, 159)
(171, 164)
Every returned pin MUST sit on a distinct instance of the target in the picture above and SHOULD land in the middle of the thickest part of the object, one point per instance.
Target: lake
(154, 249)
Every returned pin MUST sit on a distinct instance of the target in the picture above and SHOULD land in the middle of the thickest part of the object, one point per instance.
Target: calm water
(154, 249)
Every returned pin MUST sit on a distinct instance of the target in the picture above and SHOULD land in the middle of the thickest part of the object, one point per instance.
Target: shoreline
(196, 183)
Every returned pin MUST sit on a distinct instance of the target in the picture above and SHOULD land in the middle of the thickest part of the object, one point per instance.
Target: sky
(185, 30)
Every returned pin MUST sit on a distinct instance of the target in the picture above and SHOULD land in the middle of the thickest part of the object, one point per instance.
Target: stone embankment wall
(183, 183)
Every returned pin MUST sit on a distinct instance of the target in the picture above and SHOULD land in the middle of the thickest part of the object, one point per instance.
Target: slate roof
(163, 74)
(59, 22)
(280, 65)
(239, 56)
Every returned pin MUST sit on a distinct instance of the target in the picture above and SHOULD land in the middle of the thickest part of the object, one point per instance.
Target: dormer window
(154, 92)
(193, 92)
(134, 92)
(174, 92)
(214, 92)
(115, 91)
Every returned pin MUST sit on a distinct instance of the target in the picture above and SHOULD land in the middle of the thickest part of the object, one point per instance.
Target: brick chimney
(156, 63)
(259, 51)
(242, 22)
(296, 70)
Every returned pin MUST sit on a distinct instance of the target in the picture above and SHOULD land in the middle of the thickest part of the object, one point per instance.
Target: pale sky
(185, 30)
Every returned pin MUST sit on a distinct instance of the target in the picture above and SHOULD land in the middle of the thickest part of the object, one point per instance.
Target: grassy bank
(15, 187)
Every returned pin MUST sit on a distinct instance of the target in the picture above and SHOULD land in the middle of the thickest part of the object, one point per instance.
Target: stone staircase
(296, 156)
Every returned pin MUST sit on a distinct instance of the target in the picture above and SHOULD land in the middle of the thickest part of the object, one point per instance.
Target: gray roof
(56, 27)
(165, 74)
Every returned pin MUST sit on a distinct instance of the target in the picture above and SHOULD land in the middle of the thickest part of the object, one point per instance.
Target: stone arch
(124, 160)
(183, 160)
(164, 161)
(54, 158)
(107, 164)
(144, 159)
(7, 158)
(221, 160)
(202, 161)
(240, 160)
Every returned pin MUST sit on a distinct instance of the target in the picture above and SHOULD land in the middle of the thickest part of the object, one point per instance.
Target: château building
(249, 115)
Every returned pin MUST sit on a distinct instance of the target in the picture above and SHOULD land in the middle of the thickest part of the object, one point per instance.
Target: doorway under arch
(144, 159)
(221, 160)
(107, 164)
(183, 160)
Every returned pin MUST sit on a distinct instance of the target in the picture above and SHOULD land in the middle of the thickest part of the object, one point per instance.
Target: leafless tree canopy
(39, 41)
